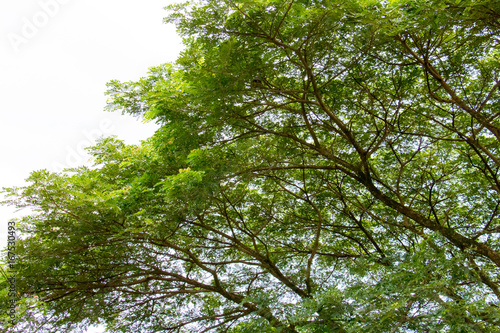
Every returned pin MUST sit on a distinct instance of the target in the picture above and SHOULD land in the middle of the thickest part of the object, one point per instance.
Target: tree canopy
(321, 166)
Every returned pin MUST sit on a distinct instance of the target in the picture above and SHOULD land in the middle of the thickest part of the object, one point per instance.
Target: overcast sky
(56, 58)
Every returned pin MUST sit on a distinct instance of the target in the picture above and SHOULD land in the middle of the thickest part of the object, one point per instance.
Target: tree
(321, 166)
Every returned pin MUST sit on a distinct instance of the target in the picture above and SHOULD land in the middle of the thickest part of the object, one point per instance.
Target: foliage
(321, 166)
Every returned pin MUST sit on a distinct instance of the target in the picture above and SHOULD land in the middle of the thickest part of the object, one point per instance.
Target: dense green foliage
(321, 166)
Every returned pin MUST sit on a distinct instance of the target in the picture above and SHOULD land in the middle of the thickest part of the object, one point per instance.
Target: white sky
(56, 57)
